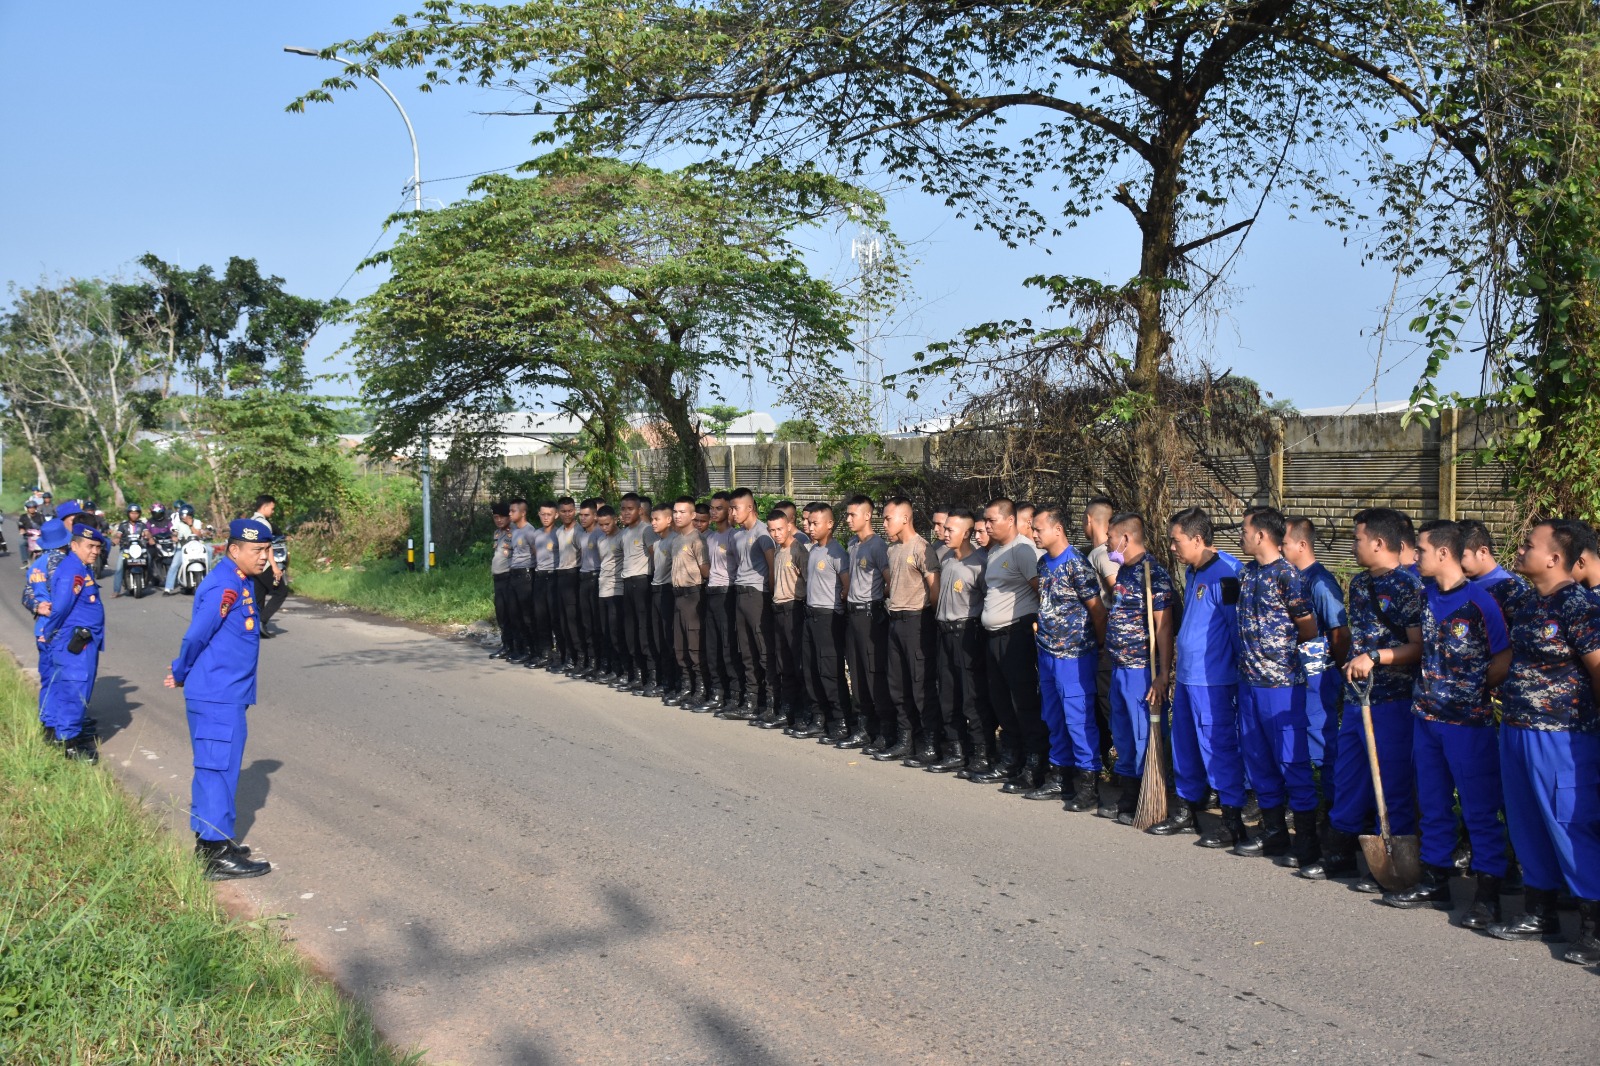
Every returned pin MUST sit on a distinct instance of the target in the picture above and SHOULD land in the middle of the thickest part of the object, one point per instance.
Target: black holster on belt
(80, 640)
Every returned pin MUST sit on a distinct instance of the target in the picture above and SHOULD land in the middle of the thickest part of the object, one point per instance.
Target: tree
(602, 282)
(1186, 113)
(719, 417)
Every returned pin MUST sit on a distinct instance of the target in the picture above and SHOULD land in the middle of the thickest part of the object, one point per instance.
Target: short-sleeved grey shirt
(589, 550)
(544, 548)
(567, 544)
(500, 561)
(751, 547)
(522, 545)
(1009, 595)
(637, 540)
(724, 563)
(662, 550)
(608, 550)
(961, 585)
(869, 562)
(826, 563)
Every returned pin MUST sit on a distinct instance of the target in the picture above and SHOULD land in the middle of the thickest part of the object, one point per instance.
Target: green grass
(460, 593)
(113, 948)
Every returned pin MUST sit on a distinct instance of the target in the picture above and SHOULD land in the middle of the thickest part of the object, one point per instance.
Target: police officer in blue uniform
(53, 540)
(76, 632)
(216, 668)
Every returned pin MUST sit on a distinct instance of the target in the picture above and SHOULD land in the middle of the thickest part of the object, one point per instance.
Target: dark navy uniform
(217, 668)
(53, 538)
(75, 604)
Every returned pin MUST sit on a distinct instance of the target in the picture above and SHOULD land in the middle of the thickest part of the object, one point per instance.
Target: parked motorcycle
(135, 569)
(162, 554)
(194, 560)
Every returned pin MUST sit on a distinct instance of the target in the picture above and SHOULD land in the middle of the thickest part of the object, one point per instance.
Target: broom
(1153, 786)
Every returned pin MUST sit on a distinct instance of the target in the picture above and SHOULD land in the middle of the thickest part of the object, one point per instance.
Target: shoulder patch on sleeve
(229, 598)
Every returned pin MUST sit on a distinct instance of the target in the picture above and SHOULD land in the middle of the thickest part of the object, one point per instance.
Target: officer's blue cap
(67, 510)
(53, 534)
(89, 533)
(250, 531)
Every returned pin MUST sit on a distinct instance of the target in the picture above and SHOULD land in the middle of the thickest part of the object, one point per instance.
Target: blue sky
(161, 128)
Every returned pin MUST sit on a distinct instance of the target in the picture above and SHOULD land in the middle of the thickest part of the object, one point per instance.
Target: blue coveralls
(75, 602)
(1324, 682)
(217, 668)
(1205, 709)
(39, 575)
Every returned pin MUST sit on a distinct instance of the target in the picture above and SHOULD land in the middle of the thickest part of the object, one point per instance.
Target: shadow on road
(111, 705)
(255, 781)
(431, 655)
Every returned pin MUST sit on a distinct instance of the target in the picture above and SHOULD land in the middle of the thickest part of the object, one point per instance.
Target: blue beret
(53, 534)
(89, 533)
(67, 509)
(249, 531)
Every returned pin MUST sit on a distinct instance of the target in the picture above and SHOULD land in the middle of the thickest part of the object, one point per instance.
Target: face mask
(1115, 557)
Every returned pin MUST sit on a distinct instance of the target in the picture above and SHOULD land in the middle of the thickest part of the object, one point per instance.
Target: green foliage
(798, 430)
(112, 947)
(457, 592)
(279, 442)
(719, 417)
(509, 483)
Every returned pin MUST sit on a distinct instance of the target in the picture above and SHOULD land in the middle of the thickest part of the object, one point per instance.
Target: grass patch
(461, 593)
(112, 946)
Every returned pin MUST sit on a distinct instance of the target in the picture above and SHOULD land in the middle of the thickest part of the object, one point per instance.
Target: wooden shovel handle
(1372, 762)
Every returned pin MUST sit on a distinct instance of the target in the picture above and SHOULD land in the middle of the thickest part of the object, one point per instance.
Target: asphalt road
(511, 868)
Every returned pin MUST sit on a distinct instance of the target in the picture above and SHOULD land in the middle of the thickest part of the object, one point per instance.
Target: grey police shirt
(662, 550)
(724, 563)
(637, 540)
(869, 561)
(750, 546)
(544, 548)
(500, 561)
(522, 546)
(588, 541)
(1009, 595)
(826, 563)
(567, 545)
(961, 586)
(608, 550)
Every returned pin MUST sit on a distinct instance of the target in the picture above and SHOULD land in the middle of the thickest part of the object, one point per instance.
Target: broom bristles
(1153, 786)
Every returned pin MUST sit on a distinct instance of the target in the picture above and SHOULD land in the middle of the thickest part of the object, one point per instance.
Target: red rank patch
(77, 585)
(229, 598)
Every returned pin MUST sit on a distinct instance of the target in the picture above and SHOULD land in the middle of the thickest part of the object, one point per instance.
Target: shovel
(1395, 862)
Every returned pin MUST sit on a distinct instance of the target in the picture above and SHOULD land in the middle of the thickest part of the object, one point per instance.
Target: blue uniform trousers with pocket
(70, 690)
(217, 732)
(1324, 699)
(1355, 804)
(46, 668)
(1066, 691)
(1277, 753)
(1205, 743)
(1459, 760)
(1552, 789)
(1130, 717)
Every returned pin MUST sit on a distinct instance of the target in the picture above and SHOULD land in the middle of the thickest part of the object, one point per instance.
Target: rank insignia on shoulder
(229, 598)
(36, 575)
(249, 624)
(77, 585)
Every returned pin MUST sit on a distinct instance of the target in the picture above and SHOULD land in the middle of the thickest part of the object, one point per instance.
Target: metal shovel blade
(1396, 864)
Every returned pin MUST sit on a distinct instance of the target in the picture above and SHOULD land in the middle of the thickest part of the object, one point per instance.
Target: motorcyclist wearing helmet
(129, 531)
(29, 523)
(185, 527)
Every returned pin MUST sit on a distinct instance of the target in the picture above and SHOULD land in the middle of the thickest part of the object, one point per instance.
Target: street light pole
(416, 192)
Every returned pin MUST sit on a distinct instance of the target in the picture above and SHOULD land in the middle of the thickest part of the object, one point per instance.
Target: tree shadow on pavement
(110, 705)
(255, 781)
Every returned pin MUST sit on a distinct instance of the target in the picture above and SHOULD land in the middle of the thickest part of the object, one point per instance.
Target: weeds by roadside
(460, 593)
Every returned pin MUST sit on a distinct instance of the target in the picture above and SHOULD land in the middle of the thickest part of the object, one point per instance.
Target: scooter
(162, 554)
(194, 560)
(135, 569)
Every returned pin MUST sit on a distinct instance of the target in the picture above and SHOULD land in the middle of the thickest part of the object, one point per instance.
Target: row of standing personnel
(1001, 654)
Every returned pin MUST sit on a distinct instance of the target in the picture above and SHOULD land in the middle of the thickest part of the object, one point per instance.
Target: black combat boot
(225, 861)
(1003, 769)
(849, 741)
(926, 755)
(1108, 809)
(1230, 830)
(1586, 949)
(1432, 891)
(1029, 776)
(891, 753)
(1185, 818)
(1538, 920)
(1274, 838)
(1485, 908)
(1085, 792)
(1307, 848)
(955, 762)
(710, 700)
(82, 748)
(1128, 802)
(977, 766)
(1053, 787)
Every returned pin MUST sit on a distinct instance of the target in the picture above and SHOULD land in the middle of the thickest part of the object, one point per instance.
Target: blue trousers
(1355, 804)
(46, 667)
(1130, 718)
(1277, 753)
(217, 732)
(66, 700)
(1205, 743)
(1066, 690)
(1552, 786)
(1324, 698)
(1465, 760)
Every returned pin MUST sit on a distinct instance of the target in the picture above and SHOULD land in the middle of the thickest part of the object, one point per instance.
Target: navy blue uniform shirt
(1461, 631)
(1327, 604)
(74, 601)
(1548, 687)
(1382, 608)
(1208, 636)
(1127, 636)
(1271, 598)
(1067, 585)
(217, 662)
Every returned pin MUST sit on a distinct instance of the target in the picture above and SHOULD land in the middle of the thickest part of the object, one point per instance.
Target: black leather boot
(850, 741)
(925, 756)
(977, 766)
(1002, 770)
(225, 862)
(1307, 847)
(1185, 818)
(500, 653)
(1085, 792)
(1053, 787)
(1338, 858)
(1128, 802)
(1538, 920)
(1108, 807)
(1274, 838)
(1027, 778)
(82, 748)
(709, 699)
(952, 763)
(893, 753)
(1230, 830)
(1586, 949)
(1485, 908)
(1432, 891)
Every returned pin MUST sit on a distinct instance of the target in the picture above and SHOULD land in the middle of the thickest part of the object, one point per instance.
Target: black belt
(786, 605)
(918, 613)
(717, 590)
(588, 575)
(857, 608)
(1009, 626)
(522, 569)
(747, 589)
(684, 590)
(820, 612)
(956, 625)
(504, 573)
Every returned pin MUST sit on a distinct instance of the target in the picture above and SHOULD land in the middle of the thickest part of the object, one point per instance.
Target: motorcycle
(194, 560)
(135, 569)
(162, 554)
(280, 553)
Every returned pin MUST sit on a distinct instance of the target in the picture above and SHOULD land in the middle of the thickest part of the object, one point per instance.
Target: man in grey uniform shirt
(524, 592)
(963, 672)
(867, 635)
(637, 540)
(912, 582)
(569, 634)
(588, 586)
(662, 610)
(722, 656)
(786, 652)
(827, 581)
(505, 613)
(1010, 607)
(544, 587)
(752, 585)
(607, 637)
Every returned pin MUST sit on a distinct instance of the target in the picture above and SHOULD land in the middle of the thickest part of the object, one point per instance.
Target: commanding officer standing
(827, 582)
(76, 630)
(753, 548)
(913, 592)
(216, 668)
(1205, 710)
(690, 568)
(1010, 607)
(963, 680)
(1072, 622)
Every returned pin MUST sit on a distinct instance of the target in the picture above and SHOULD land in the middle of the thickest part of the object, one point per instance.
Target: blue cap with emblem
(250, 531)
(68, 509)
(89, 533)
(53, 534)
